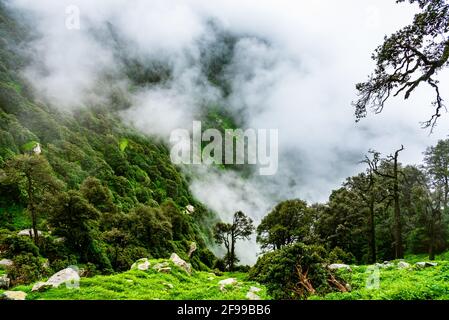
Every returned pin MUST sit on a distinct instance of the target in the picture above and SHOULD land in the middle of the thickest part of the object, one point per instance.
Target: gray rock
(6, 263)
(181, 263)
(168, 285)
(60, 240)
(339, 266)
(385, 265)
(426, 264)
(141, 264)
(190, 209)
(40, 286)
(159, 266)
(227, 283)
(29, 233)
(192, 249)
(68, 275)
(255, 289)
(37, 149)
(13, 295)
(4, 282)
(252, 296)
(46, 264)
(165, 270)
(403, 265)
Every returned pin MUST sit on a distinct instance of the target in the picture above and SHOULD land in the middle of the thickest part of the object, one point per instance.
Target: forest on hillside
(84, 189)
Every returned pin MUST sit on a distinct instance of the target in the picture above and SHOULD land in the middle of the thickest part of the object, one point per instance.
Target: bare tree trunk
(435, 220)
(232, 254)
(372, 227)
(32, 210)
(399, 250)
(432, 241)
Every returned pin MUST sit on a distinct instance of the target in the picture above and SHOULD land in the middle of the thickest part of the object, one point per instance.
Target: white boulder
(141, 264)
(227, 283)
(40, 286)
(426, 264)
(6, 263)
(29, 233)
(13, 295)
(181, 263)
(252, 296)
(67, 276)
(192, 249)
(190, 209)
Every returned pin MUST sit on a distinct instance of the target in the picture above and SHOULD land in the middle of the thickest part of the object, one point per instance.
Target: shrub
(338, 255)
(27, 268)
(293, 272)
(16, 245)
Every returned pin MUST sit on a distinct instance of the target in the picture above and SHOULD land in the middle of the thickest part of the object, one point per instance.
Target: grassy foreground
(412, 283)
(152, 285)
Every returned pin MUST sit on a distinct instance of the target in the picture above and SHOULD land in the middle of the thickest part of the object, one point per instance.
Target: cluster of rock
(405, 265)
(232, 282)
(163, 267)
(66, 276)
(339, 266)
(385, 265)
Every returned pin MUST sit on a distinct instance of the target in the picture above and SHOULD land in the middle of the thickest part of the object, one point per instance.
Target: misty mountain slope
(94, 142)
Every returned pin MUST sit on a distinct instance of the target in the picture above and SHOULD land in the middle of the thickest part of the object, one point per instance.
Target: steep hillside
(137, 197)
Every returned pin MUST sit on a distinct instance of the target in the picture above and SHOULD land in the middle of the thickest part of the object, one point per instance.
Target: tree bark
(232, 253)
(372, 227)
(399, 250)
(32, 209)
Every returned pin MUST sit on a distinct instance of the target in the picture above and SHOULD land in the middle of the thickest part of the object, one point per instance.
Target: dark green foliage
(289, 222)
(152, 229)
(338, 255)
(72, 217)
(342, 223)
(33, 176)
(97, 194)
(27, 268)
(282, 271)
(16, 245)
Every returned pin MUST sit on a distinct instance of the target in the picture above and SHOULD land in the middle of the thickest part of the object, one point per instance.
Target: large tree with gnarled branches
(409, 58)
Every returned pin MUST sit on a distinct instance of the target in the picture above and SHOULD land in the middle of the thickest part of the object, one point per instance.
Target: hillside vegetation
(126, 199)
